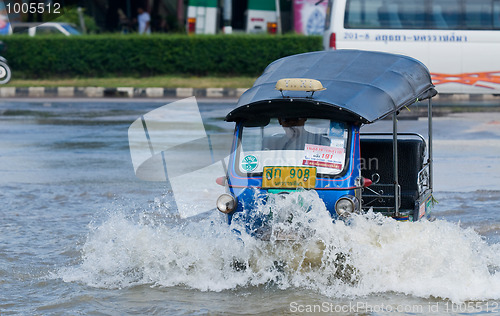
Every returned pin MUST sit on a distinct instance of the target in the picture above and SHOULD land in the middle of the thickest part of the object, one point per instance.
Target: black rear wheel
(4, 73)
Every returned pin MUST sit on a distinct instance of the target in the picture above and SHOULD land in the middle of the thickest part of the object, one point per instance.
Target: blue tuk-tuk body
(247, 186)
(322, 99)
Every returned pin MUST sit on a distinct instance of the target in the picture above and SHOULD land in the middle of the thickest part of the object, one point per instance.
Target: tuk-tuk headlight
(226, 203)
(346, 205)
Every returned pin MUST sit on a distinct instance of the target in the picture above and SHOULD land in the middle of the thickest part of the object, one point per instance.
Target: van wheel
(4, 73)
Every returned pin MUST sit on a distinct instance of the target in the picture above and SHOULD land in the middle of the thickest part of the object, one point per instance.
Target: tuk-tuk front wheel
(4, 73)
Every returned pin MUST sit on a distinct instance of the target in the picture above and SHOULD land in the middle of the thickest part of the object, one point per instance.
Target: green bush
(135, 55)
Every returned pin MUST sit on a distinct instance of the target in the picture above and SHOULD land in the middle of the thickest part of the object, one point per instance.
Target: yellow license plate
(289, 177)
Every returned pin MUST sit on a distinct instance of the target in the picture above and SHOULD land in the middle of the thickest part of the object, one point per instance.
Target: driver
(295, 137)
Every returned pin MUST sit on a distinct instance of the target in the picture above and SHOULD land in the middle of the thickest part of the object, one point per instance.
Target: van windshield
(308, 142)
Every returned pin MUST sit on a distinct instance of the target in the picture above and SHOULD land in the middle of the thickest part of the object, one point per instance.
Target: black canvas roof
(361, 86)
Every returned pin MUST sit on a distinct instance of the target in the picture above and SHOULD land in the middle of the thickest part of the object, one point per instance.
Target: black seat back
(377, 157)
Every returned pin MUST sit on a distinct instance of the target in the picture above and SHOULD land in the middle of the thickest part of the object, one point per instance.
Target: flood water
(80, 234)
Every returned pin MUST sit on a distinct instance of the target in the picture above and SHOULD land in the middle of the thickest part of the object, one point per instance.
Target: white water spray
(370, 254)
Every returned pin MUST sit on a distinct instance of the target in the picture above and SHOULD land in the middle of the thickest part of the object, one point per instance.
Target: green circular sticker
(249, 163)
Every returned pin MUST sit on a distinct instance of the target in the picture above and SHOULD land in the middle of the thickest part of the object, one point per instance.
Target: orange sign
(478, 79)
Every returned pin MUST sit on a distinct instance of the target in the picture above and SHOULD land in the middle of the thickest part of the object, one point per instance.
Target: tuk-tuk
(299, 129)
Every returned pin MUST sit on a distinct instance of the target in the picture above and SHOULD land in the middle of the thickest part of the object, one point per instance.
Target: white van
(458, 40)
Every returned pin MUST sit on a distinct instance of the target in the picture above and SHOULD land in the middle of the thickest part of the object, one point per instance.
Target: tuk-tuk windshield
(308, 142)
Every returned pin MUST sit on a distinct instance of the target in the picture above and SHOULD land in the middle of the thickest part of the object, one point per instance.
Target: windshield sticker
(336, 129)
(324, 156)
(249, 163)
(337, 143)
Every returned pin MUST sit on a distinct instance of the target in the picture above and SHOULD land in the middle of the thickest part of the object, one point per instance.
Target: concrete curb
(443, 100)
(127, 92)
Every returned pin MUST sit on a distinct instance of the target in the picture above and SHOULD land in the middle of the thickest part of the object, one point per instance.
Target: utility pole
(180, 13)
(228, 13)
(81, 20)
(278, 17)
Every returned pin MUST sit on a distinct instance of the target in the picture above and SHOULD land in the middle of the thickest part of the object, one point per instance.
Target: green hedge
(135, 55)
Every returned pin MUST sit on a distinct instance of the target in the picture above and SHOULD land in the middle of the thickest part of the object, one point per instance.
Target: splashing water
(367, 255)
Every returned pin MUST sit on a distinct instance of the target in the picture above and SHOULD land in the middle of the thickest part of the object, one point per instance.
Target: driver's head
(292, 121)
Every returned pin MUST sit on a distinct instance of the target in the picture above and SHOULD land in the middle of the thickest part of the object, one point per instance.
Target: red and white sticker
(324, 156)
(421, 211)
